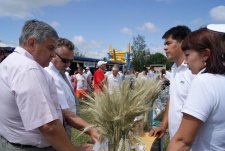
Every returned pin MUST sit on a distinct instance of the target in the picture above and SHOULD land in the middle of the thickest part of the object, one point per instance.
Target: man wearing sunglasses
(65, 61)
(67, 99)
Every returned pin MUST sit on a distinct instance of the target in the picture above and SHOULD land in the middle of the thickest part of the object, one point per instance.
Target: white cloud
(127, 31)
(25, 8)
(98, 54)
(93, 48)
(150, 27)
(198, 22)
(78, 40)
(218, 14)
(54, 24)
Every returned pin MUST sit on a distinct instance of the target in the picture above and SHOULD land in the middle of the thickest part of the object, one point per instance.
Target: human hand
(84, 147)
(157, 132)
(87, 147)
(94, 134)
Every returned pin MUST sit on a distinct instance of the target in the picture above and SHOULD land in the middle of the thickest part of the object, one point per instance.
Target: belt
(19, 145)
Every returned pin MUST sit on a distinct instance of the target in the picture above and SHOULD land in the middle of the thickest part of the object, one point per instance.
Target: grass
(79, 141)
(83, 138)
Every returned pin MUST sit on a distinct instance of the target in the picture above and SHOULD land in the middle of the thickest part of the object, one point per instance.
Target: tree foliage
(140, 52)
(159, 58)
(142, 56)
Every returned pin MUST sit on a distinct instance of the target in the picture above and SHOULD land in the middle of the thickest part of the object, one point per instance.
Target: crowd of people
(40, 103)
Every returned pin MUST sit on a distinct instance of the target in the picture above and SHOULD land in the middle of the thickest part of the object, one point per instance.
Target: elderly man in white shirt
(114, 79)
(67, 98)
(30, 116)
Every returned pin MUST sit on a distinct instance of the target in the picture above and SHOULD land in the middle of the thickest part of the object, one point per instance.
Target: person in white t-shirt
(89, 76)
(144, 74)
(180, 81)
(151, 72)
(114, 79)
(81, 84)
(202, 126)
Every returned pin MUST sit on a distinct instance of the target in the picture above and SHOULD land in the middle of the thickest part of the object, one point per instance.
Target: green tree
(140, 52)
(159, 58)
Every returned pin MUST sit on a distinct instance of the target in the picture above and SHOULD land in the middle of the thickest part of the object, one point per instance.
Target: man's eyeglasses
(64, 60)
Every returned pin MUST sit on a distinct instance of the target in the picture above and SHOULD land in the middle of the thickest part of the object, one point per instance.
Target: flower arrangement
(113, 112)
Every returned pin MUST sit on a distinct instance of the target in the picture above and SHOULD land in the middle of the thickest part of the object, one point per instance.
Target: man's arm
(103, 82)
(55, 134)
(75, 121)
(160, 131)
(186, 133)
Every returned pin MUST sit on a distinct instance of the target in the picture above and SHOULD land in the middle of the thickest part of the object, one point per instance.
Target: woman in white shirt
(202, 126)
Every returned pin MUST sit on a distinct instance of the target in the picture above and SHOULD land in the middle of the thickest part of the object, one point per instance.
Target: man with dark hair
(180, 81)
(178, 33)
(30, 115)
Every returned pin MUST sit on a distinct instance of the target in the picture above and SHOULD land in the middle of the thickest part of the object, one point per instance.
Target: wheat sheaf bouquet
(113, 112)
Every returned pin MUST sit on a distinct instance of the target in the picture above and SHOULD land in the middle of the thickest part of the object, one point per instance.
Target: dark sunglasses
(64, 60)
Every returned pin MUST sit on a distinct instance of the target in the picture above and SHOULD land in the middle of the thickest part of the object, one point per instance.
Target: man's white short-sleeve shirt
(180, 81)
(28, 99)
(114, 82)
(66, 98)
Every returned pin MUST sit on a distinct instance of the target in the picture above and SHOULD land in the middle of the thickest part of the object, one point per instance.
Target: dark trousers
(7, 146)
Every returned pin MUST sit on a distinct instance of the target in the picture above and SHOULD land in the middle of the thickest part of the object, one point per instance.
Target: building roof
(6, 47)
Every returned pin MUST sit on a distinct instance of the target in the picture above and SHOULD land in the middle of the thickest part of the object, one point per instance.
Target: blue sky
(94, 24)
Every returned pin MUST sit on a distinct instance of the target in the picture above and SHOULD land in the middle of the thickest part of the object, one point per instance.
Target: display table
(148, 141)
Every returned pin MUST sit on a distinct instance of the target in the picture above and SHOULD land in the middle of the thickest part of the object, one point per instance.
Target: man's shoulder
(188, 73)
(110, 75)
(53, 74)
(17, 64)
(52, 70)
(97, 72)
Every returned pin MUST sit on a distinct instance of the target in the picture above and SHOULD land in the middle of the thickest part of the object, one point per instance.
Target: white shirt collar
(201, 71)
(52, 66)
(23, 52)
(183, 64)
